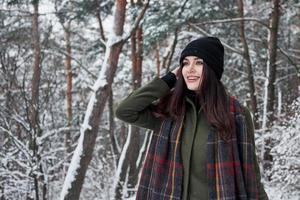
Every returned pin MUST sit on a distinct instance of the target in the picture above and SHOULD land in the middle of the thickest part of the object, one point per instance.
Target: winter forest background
(66, 64)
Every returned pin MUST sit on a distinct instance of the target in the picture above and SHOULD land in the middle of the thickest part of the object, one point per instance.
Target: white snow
(88, 113)
(143, 148)
(74, 165)
(90, 66)
(265, 114)
(122, 158)
(279, 102)
(46, 135)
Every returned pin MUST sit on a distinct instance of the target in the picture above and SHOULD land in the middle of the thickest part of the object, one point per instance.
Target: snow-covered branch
(220, 21)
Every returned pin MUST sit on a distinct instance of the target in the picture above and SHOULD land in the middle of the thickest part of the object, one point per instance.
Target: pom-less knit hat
(210, 49)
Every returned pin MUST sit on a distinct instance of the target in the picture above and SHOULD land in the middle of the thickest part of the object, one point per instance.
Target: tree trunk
(34, 104)
(36, 71)
(271, 77)
(98, 16)
(91, 126)
(174, 43)
(157, 56)
(68, 66)
(248, 64)
(100, 92)
(166, 62)
(114, 142)
(129, 174)
(137, 58)
(136, 137)
(271, 72)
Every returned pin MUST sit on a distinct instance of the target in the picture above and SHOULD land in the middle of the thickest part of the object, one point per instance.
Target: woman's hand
(175, 71)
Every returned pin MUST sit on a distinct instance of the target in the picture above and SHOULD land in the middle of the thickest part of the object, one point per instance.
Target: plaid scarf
(230, 164)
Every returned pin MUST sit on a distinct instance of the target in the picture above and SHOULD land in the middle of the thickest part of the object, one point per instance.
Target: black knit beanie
(210, 49)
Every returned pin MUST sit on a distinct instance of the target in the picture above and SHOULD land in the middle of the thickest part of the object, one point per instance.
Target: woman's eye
(199, 62)
(185, 63)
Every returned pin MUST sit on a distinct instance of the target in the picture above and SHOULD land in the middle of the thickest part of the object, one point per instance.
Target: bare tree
(269, 104)
(66, 20)
(100, 92)
(34, 104)
(112, 134)
(98, 17)
(166, 62)
(272, 58)
(157, 56)
(246, 56)
(35, 82)
(69, 73)
(130, 168)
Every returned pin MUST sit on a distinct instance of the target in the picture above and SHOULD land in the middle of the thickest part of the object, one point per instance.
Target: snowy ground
(275, 193)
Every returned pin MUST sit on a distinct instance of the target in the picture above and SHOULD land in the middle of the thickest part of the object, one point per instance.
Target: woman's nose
(191, 67)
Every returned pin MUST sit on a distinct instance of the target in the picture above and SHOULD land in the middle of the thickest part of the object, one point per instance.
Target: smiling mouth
(192, 78)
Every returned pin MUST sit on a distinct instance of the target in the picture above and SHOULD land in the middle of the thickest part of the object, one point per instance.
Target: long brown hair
(211, 95)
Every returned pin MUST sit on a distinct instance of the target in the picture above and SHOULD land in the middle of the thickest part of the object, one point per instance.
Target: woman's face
(192, 71)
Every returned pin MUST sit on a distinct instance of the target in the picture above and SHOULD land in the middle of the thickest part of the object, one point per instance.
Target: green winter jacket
(135, 109)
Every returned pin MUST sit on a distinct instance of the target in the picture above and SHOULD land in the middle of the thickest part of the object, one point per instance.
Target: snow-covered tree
(285, 173)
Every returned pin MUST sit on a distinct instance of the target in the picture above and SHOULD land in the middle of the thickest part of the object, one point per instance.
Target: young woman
(202, 146)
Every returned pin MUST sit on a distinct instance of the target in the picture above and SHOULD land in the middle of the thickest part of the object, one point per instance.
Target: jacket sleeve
(135, 109)
(250, 129)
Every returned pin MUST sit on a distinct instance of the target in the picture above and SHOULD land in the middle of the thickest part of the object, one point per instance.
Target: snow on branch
(22, 147)
(138, 20)
(238, 51)
(41, 139)
(259, 21)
